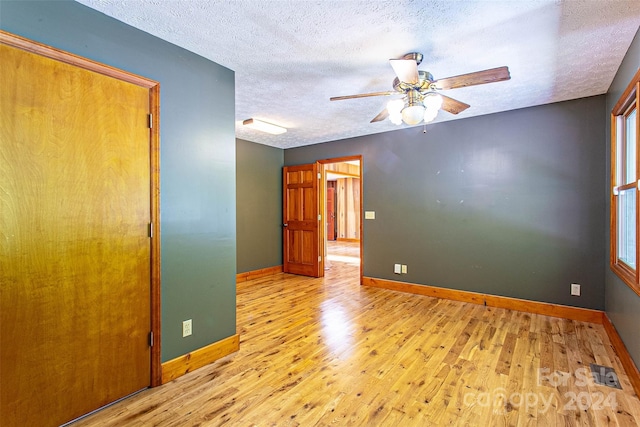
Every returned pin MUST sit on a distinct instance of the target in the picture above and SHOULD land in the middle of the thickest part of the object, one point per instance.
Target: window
(625, 221)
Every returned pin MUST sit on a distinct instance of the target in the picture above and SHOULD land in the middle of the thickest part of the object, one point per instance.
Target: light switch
(369, 215)
(397, 269)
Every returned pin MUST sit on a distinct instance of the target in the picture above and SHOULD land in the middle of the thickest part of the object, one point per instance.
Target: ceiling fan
(420, 100)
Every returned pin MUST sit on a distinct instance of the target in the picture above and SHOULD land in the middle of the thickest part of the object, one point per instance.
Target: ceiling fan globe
(396, 119)
(430, 115)
(395, 106)
(413, 114)
(432, 101)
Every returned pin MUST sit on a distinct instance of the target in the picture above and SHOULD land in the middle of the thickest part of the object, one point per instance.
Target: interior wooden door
(301, 220)
(74, 241)
(331, 210)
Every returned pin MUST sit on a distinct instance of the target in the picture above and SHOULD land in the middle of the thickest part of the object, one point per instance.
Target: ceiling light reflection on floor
(336, 327)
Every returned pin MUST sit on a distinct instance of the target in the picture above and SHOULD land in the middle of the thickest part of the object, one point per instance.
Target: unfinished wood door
(74, 245)
(301, 215)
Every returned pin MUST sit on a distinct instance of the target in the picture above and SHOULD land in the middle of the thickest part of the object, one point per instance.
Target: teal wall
(508, 204)
(622, 304)
(259, 205)
(197, 132)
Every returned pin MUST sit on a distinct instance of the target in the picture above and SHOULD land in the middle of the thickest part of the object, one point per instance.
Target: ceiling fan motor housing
(424, 83)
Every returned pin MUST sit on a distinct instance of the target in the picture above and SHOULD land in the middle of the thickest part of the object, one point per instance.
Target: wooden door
(74, 245)
(331, 210)
(301, 220)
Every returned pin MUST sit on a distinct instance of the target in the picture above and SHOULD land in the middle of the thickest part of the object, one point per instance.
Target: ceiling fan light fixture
(264, 126)
(395, 106)
(396, 118)
(432, 101)
(430, 115)
(413, 114)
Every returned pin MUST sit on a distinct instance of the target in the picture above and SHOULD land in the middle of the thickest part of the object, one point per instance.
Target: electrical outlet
(186, 328)
(404, 269)
(397, 269)
(575, 289)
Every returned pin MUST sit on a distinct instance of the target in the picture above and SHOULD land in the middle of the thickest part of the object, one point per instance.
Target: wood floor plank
(506, 354)
(327, 352)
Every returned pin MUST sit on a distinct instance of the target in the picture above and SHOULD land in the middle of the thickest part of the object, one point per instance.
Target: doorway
(342, 224)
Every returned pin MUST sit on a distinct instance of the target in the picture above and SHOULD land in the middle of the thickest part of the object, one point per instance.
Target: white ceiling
(290, 56)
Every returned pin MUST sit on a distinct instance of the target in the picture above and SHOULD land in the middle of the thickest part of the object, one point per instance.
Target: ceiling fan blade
(453, 106)
(362, 95)
(406, 70)
(381, 116)
(471, 79)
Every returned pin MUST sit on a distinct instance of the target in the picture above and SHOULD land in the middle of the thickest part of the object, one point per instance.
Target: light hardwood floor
(320, 352)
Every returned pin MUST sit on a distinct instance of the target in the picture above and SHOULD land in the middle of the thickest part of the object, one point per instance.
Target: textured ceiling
(290, 56)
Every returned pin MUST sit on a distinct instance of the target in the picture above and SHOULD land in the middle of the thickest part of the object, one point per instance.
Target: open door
(302, 237)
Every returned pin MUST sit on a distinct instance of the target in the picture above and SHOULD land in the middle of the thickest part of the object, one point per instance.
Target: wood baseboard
(198, 358)
(547, 309)
(346, 239)
(621, 350)
(258, 274)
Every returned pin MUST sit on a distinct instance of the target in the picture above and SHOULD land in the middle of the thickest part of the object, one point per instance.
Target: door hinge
(319, 175)
(319, 217)
(319, 258)
(150, 121)
(151, 229)
(151, 339)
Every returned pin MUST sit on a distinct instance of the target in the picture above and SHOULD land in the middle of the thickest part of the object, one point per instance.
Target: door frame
(323, 195)
(31, 46)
